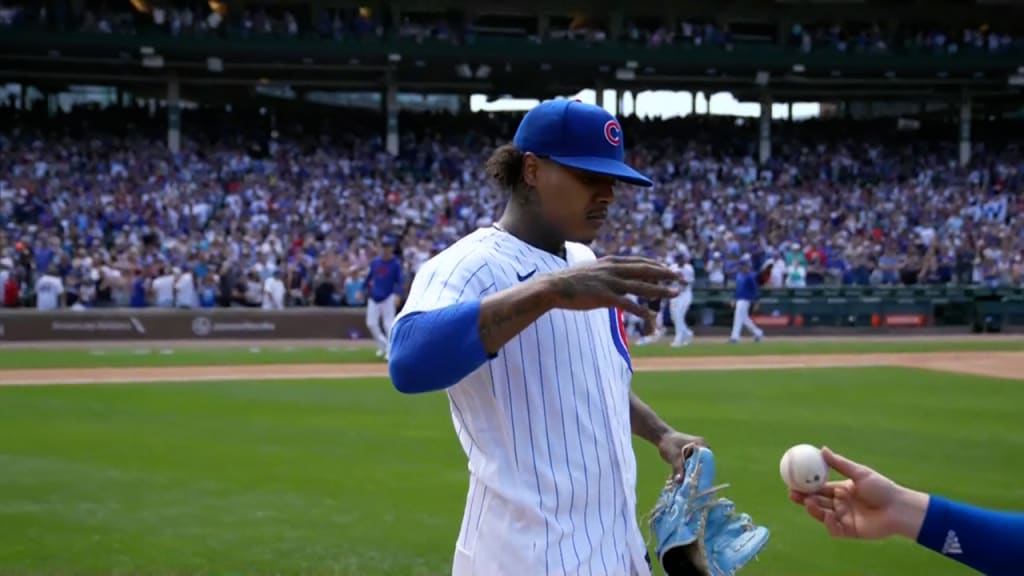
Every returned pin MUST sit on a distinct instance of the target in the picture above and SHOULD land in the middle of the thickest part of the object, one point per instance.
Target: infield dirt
(1007, 365)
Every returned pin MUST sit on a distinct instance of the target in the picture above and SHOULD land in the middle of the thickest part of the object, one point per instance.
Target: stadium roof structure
(506, 50)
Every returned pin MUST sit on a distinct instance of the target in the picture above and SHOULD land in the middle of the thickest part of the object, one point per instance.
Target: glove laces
(667, 499)
(708, 503)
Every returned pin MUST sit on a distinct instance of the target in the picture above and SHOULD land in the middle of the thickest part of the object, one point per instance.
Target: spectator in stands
(890, 264)
(140, 289)
(6, 273)
(325, 290)
(775, 264)
(208, 292)
(163, 288)
(355, 288)
(1017, 271)
(185, 295)
(253, 289)
(12, 289)
(796, 269)
(274, 290)
(716, 270)
(50, 290)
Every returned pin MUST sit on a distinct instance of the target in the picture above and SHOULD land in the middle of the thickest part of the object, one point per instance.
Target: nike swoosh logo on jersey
(527, 276)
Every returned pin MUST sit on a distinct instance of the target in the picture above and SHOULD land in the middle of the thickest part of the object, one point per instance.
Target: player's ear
(531, 166)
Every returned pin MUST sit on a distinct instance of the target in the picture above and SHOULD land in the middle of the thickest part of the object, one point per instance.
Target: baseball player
(521, 326)
(681, 304)
(656, 328)
(384, 286)
(746, 295)
(635, 325)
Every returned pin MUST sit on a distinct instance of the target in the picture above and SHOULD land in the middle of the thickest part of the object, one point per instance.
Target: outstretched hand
(865, 505)
(606, 282)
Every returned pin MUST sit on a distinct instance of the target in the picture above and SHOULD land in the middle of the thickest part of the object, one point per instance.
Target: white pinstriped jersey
(545, 425)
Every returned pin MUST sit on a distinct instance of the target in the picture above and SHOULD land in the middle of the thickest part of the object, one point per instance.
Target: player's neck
(518, 222)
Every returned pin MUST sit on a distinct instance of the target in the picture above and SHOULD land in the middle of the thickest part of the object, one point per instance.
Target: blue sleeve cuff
(986, 540)
(933, 533)
(437, 349)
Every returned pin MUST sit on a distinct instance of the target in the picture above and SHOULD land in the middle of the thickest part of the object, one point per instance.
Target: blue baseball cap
(577, 135)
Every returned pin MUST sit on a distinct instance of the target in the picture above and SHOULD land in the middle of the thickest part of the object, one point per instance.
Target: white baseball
(804, 469)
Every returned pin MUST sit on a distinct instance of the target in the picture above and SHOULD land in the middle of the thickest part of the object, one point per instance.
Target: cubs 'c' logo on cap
(613, 132)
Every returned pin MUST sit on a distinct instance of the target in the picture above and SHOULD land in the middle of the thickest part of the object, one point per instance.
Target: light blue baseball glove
(697, 535)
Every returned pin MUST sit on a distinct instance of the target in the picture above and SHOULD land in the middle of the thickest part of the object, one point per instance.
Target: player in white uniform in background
(656, 326)
(681, 303)
(521, 326)
(663, 304)
(635, 323)
(657, 306)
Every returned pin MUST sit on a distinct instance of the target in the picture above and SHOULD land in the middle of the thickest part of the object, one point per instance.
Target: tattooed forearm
(507, 313)
(644, 422)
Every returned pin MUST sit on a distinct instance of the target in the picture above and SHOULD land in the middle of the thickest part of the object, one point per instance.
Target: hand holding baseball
(866, 505)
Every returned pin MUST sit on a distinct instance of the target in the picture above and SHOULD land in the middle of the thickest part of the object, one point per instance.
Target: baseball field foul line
(1006, 365)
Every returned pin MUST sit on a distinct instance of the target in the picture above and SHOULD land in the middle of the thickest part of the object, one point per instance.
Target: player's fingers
(842, 492)
(832, 523)
(679, 466)
(633, 260)
(634, 308)
(691, 448)
(842, 507)
(645, 271)
(829, 489)
(816, 512)
(823, 502)
(645, 289)
(844, 466)
(797, 497)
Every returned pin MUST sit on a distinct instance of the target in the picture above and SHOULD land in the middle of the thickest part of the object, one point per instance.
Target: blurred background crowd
(92, 201)
(205, 17)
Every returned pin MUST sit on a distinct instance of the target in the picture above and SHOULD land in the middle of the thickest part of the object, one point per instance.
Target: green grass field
(352, 478)
(148, 356)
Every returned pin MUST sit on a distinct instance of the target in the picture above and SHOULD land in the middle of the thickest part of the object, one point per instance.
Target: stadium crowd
(94, 210)
(204, 18)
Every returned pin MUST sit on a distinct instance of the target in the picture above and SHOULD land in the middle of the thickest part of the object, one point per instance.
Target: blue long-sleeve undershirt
(989, 541)
(436, 349)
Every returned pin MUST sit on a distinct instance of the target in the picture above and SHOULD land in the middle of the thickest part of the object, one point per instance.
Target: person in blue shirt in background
(384, 288)
(866, 505)
(208, 292)
(139, 290)
(746, 295)
(355, 289)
